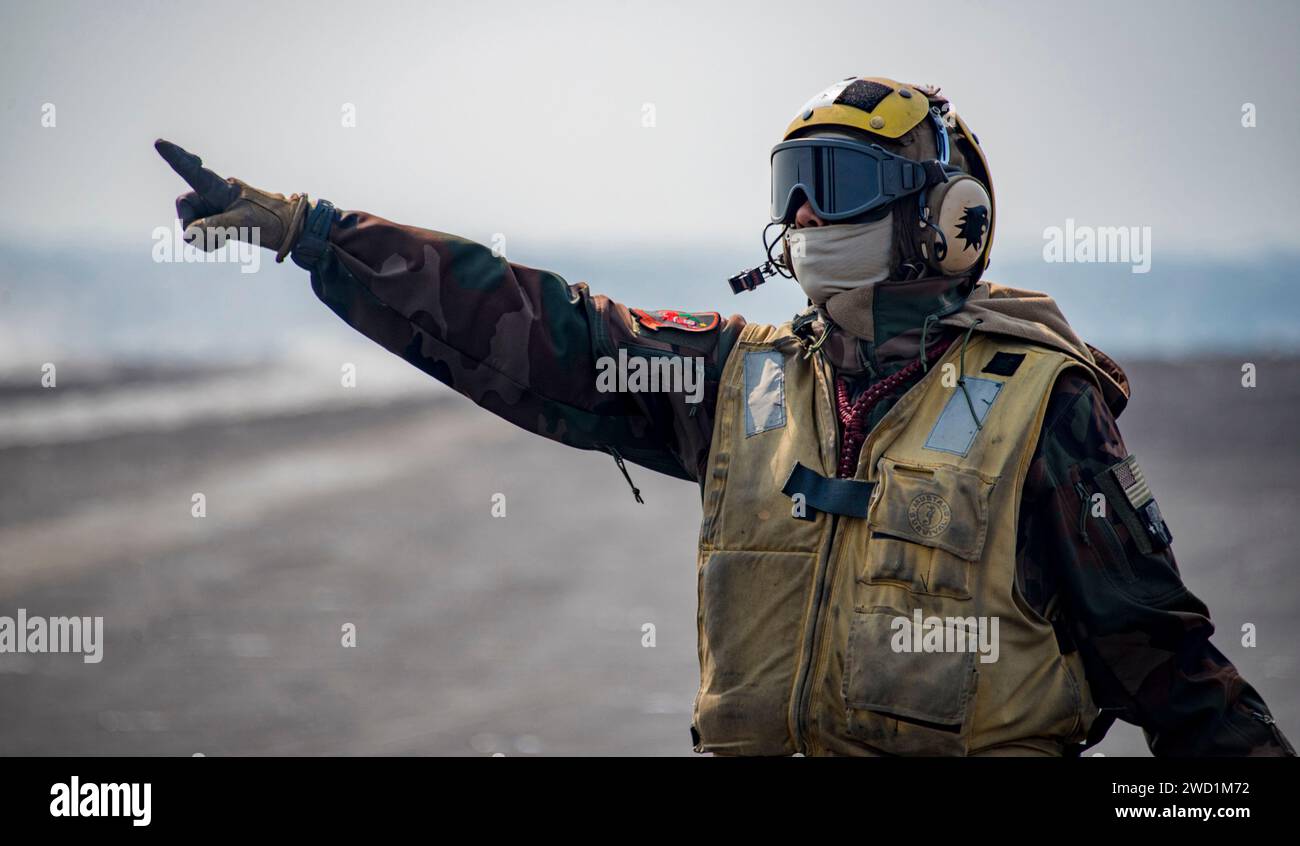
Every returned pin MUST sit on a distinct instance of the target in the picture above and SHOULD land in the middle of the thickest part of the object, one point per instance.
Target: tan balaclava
(832, 259)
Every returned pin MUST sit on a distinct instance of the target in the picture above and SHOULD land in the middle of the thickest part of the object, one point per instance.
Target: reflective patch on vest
(764, 391)
(956, 428)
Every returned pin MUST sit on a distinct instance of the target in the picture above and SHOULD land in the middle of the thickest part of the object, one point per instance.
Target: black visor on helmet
(840, 178)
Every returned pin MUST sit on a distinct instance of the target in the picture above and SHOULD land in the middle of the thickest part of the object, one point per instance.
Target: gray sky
(526, 118)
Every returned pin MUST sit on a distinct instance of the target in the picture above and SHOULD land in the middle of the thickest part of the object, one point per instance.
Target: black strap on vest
(847, 497)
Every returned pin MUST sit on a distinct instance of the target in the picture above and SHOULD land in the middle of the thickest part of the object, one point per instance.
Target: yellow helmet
(874, 105)
(948, 227)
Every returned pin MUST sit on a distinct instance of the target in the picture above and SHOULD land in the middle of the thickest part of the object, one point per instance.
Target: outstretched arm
(518, 341)
(521, 342)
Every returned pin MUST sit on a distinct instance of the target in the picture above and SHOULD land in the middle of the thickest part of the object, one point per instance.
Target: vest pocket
(751, 617)
(928, 524)
(905, 702)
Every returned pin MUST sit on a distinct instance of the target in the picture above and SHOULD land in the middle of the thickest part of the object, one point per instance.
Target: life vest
(808, 617)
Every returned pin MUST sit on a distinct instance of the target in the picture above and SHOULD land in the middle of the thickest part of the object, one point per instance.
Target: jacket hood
(1034, 316)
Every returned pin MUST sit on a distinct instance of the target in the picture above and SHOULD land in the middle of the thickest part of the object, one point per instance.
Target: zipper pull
(618, 459)
(1267, 719)
(1083, 512)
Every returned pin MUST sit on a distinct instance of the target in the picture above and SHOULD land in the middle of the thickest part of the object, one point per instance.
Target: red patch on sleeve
(687, 321)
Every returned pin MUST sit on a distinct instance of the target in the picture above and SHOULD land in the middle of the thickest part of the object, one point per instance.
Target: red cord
(853, 417)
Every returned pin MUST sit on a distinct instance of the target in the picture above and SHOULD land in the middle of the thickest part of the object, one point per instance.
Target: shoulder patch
(1126, 487)
(688, 321)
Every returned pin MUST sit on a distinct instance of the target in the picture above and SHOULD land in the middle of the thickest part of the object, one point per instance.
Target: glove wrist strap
(297, 221)
(313, 240)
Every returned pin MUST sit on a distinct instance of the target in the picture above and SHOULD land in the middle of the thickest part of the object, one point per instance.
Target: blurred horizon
(118, 303)
(168, 345)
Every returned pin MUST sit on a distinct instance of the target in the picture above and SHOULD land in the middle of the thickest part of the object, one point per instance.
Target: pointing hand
(217, 209)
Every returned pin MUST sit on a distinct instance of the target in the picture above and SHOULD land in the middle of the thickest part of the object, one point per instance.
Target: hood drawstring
(925, 336)
(961, 374)
(820, 342)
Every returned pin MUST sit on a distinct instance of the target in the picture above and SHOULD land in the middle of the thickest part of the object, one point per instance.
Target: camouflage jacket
(524, 344)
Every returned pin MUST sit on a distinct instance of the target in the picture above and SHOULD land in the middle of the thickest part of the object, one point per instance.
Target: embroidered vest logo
(929, 515)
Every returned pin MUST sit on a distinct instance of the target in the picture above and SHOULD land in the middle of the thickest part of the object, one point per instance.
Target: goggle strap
(900, 177)
(936, 173)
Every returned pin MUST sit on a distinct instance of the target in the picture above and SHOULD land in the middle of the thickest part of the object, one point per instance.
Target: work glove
(216, 205)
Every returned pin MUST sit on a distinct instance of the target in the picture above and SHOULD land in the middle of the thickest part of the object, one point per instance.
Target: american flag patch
(1129, 477)
(1124, 485)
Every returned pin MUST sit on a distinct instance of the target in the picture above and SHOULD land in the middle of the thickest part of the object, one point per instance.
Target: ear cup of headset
(960, 218)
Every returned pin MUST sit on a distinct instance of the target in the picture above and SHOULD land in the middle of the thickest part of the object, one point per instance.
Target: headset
(953, 217)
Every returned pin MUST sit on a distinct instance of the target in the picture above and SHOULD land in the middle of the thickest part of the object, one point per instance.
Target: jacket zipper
(1083, 512)
(822, 585)
(811, 641)
(1106, 530)
(1268, 720)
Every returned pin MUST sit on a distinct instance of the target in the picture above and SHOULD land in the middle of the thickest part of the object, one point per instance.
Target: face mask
(830, 260)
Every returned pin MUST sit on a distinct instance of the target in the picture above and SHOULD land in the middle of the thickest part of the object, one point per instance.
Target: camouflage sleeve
(520, 342)
(1144, 638)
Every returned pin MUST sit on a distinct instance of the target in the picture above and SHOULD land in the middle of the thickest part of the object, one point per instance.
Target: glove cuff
(297, 221)
(315, 234)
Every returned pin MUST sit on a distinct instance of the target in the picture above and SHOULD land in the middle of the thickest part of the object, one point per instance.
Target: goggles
(839, 178)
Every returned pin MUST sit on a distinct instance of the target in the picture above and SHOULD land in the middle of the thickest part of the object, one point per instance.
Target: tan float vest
(808, 632)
